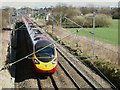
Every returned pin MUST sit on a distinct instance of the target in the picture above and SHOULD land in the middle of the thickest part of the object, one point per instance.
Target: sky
(49, 3)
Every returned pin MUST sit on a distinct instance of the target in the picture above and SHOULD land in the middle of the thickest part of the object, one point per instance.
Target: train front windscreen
(47, 54)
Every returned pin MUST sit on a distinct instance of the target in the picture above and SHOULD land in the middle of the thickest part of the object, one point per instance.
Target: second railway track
(71, 73)
(93, 80)
(73, 76)
(79, 79)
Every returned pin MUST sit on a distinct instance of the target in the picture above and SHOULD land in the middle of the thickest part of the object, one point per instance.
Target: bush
(115, 13)
(64, 11)
(111, 71)
(101, 20)
(79, 20)
(67, 11)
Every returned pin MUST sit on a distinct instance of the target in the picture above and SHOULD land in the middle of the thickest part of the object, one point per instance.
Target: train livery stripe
(36, 36)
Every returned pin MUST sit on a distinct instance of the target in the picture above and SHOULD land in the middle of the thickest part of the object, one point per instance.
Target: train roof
(35, 32)
(43, 43)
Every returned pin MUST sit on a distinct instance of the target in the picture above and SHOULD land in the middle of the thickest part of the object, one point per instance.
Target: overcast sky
(48, 3)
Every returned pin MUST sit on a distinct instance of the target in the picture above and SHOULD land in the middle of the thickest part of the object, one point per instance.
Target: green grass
(107, 35)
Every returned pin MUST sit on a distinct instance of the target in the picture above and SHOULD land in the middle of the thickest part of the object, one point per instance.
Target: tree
(115, 13)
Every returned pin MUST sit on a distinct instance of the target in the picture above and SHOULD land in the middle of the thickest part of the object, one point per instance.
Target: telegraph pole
(9, 20)
(52, 21)
(93, 36)
(60, 22)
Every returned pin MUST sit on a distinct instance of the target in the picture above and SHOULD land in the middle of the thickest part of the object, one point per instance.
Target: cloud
(60, 0)
(49, 3)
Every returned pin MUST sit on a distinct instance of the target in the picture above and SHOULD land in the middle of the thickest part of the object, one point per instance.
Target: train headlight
(54, 61)
(36, 62)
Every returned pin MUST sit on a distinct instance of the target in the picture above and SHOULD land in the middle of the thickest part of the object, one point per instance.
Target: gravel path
(6, 81)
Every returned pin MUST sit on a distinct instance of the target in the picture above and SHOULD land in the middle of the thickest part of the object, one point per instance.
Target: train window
(30, 23)
(46, 54)
(37, 32)
(43, 43)
(37, 38)
(32, 26)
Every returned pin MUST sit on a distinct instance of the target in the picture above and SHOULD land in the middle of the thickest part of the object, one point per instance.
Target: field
(107, 35)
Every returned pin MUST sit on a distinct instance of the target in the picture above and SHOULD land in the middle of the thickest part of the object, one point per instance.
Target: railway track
(47, 83)
(91, 78)
(84, 78)
(70, 73)
(25, 76)
(75, 79)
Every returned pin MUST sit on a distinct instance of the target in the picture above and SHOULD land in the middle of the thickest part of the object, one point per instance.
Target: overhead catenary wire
(88, 32)
(73, 22)
(93, 33)
(93, 64)
(81, 26)
(10, 64)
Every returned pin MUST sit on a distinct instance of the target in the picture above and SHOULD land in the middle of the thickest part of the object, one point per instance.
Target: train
(44, 50)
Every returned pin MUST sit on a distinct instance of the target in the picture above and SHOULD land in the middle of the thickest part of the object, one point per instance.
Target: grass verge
(107, 35)
(108, 69)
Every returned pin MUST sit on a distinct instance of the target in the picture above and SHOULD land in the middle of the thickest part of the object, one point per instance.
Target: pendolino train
(45, 60)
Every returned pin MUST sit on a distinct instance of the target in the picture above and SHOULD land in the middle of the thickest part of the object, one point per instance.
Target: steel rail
(85, 77)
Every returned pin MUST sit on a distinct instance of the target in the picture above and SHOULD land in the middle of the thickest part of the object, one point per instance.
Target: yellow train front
(45, 59)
